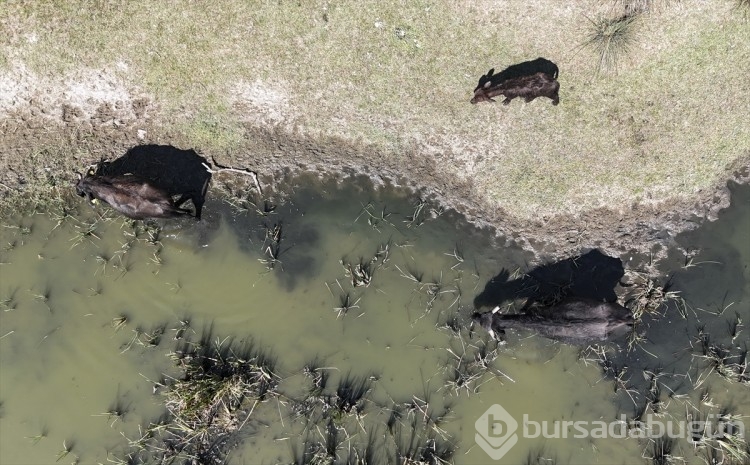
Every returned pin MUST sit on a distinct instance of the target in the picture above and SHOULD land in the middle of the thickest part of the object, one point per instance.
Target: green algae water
(372, 288)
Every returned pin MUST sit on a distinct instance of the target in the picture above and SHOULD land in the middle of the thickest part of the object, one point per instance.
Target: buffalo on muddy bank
(174, 171)
(129, 195)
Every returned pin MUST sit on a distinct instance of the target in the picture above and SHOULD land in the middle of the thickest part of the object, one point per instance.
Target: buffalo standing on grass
(528, 87)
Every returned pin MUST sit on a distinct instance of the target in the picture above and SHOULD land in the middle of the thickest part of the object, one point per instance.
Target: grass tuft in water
(350, 393)
(67, 449)
(318, 375)
(42, 434)
(730, 441)
(537, 456)
(222, 384)
(417, 443)
(730, 365)
(661, 452)
(272, 246)
(650, 297)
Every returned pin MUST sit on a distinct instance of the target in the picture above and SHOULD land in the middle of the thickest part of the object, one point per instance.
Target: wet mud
(46, 145)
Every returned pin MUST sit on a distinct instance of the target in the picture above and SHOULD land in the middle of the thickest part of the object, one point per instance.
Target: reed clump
(221, 386)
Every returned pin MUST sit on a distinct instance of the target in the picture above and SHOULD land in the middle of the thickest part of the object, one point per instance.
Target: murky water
(365, 282)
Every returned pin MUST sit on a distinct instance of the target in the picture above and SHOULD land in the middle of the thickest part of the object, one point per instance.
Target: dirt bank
(42, 146)
(641, 146)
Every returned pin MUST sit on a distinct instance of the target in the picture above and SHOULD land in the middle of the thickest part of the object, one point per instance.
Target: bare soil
(45, 142)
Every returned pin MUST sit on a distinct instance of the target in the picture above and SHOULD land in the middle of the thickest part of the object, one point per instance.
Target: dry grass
(611, 38)
(399, 75)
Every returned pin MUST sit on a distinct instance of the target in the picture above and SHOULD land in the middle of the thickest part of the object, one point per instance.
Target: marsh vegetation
(220, 358)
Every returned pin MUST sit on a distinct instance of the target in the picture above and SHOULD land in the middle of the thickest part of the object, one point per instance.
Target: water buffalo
(129, 195)
(528, 87)
(527, 68)
(574, 320)
(175, 171)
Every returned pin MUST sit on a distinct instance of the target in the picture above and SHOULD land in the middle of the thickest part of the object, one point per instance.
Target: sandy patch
(263, 103)
(88, 94)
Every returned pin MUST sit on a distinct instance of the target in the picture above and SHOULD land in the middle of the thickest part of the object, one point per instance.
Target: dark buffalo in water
(528, 87)
(574, 321)
(527, 68)
(175, 171)
(129, 195)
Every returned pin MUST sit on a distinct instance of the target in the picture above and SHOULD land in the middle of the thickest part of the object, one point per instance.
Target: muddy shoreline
(42, 148)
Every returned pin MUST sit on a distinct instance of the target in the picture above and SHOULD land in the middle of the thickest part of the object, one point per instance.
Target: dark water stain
(702, 331)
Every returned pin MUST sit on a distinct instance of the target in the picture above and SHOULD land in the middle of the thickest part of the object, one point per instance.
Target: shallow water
(84, 297)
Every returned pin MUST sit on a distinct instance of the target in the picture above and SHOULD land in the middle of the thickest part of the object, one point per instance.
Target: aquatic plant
(650, 297)
(86, 231)
(537, 455)
(452, 324)
(720, 436)
(272, 245)
(318, 375)
(182, 328)
(115, 412)
(137, 332)
(418, 216)
(44, 296)
(207, 403)
(733, 367)
(653, 395)
(661, 451)
(457, 255)
(152, 338)
(360, 273)
(730, 442)
(416, 443)
(735, 326)
(346, 304)
(67, 449)
(327, 447)
(119, 322)
(411, 274)
(350, 392)
(383, 253)
(462, 377)
(10, 302)
(346, 301)
(42, 434)
(373, 219)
